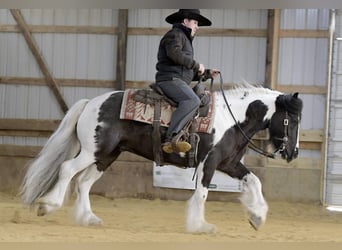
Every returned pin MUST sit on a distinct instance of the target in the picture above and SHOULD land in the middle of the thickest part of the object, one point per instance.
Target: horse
(91, 136)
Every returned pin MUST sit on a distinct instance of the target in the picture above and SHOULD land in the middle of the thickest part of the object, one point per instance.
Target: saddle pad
(138, 111)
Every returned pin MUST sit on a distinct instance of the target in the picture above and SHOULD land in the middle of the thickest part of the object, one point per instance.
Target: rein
(251, 144)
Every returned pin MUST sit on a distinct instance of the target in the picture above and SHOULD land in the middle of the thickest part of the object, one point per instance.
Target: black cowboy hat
(190, 14)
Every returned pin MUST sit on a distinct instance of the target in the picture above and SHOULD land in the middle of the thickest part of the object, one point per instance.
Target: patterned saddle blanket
(131, 109)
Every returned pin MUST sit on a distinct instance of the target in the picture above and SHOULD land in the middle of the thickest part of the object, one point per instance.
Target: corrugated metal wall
(239, 58)
(333, 175)
(303, 61)
(73, 56)
(92, 56)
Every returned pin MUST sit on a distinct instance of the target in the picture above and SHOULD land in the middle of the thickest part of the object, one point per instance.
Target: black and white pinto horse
(91, 136)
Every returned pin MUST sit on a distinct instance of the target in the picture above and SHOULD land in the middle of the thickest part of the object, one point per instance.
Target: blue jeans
(188, 103)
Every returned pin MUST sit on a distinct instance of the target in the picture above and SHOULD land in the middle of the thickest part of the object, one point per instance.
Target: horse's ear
(295, 95)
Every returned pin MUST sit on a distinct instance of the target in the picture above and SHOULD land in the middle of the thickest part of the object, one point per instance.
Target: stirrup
(176, 145)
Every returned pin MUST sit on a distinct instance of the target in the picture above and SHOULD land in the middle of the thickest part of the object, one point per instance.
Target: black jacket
(175, 56)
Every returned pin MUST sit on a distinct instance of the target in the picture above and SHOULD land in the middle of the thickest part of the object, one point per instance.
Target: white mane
(238, 98)
(243, 88)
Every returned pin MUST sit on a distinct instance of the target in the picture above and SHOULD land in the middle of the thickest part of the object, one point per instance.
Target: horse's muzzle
(289, 156)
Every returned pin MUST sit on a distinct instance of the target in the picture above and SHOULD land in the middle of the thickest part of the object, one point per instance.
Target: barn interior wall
(82, 56)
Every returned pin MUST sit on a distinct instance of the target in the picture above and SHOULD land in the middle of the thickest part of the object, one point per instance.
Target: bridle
(285, 139)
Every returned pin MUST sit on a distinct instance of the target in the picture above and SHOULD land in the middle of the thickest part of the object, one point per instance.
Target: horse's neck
(238, 101)
(252, 126)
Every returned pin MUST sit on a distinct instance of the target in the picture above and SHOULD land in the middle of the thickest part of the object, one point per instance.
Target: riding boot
(173, 145)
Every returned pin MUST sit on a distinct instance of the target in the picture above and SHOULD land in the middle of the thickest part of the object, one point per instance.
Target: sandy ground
(138, 220)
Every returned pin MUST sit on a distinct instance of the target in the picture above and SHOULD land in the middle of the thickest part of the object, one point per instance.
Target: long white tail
(63, 144)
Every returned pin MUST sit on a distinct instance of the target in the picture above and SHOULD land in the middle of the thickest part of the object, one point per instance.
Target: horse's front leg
(195, 221)
(253, 201)
(252, 198)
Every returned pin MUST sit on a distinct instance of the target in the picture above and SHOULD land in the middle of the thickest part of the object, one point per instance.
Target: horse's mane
(288, 102)
(242, 88)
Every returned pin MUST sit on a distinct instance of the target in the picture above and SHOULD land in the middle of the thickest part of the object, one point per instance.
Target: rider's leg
(188, 103)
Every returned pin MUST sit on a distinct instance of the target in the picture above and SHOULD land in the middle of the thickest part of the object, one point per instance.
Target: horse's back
(92, 116)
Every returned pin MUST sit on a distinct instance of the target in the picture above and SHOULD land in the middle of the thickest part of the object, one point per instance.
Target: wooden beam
(137, 31)
(132, 31)
(304, 33)
(8, 150)
(121, 49)
(28, 124)
(308, 139)
(61, 82)
(310, 145)
(26, 133)
(39, 58)
(306, 135)
(302, 89)
(19, 151)
(273, 25)
(232, 32)
(155, 31)
(299, 163)
(101, 30)
(28, 127)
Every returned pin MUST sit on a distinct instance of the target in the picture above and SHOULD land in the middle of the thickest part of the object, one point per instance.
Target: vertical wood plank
(272, 50)
(121, 49)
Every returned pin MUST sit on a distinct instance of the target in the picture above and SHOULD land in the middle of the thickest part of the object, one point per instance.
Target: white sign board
(169, 176)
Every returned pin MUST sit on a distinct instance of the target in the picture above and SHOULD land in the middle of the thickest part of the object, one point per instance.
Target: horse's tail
(63, 144)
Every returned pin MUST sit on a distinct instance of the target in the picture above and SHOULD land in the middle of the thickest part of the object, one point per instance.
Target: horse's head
(284, 125)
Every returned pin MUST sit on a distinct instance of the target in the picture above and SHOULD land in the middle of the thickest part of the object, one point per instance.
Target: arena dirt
(141, 220)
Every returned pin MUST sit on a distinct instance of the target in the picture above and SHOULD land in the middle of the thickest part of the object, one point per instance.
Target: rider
(176, 68)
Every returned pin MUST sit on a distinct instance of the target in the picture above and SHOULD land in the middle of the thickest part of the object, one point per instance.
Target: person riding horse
(176, 68)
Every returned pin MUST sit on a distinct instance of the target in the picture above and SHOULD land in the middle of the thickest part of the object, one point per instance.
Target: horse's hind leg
(83, 215)
(55, 197)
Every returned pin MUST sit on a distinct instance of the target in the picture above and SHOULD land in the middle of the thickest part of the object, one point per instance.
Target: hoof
(95, 221)
(44, 209)
(255, 221)
(87, 219)
(209, 228)
(41, 211)
(205, 228)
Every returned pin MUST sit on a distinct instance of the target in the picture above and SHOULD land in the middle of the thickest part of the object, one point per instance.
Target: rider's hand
(214, 73)
(209, 74)
(201, 69)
